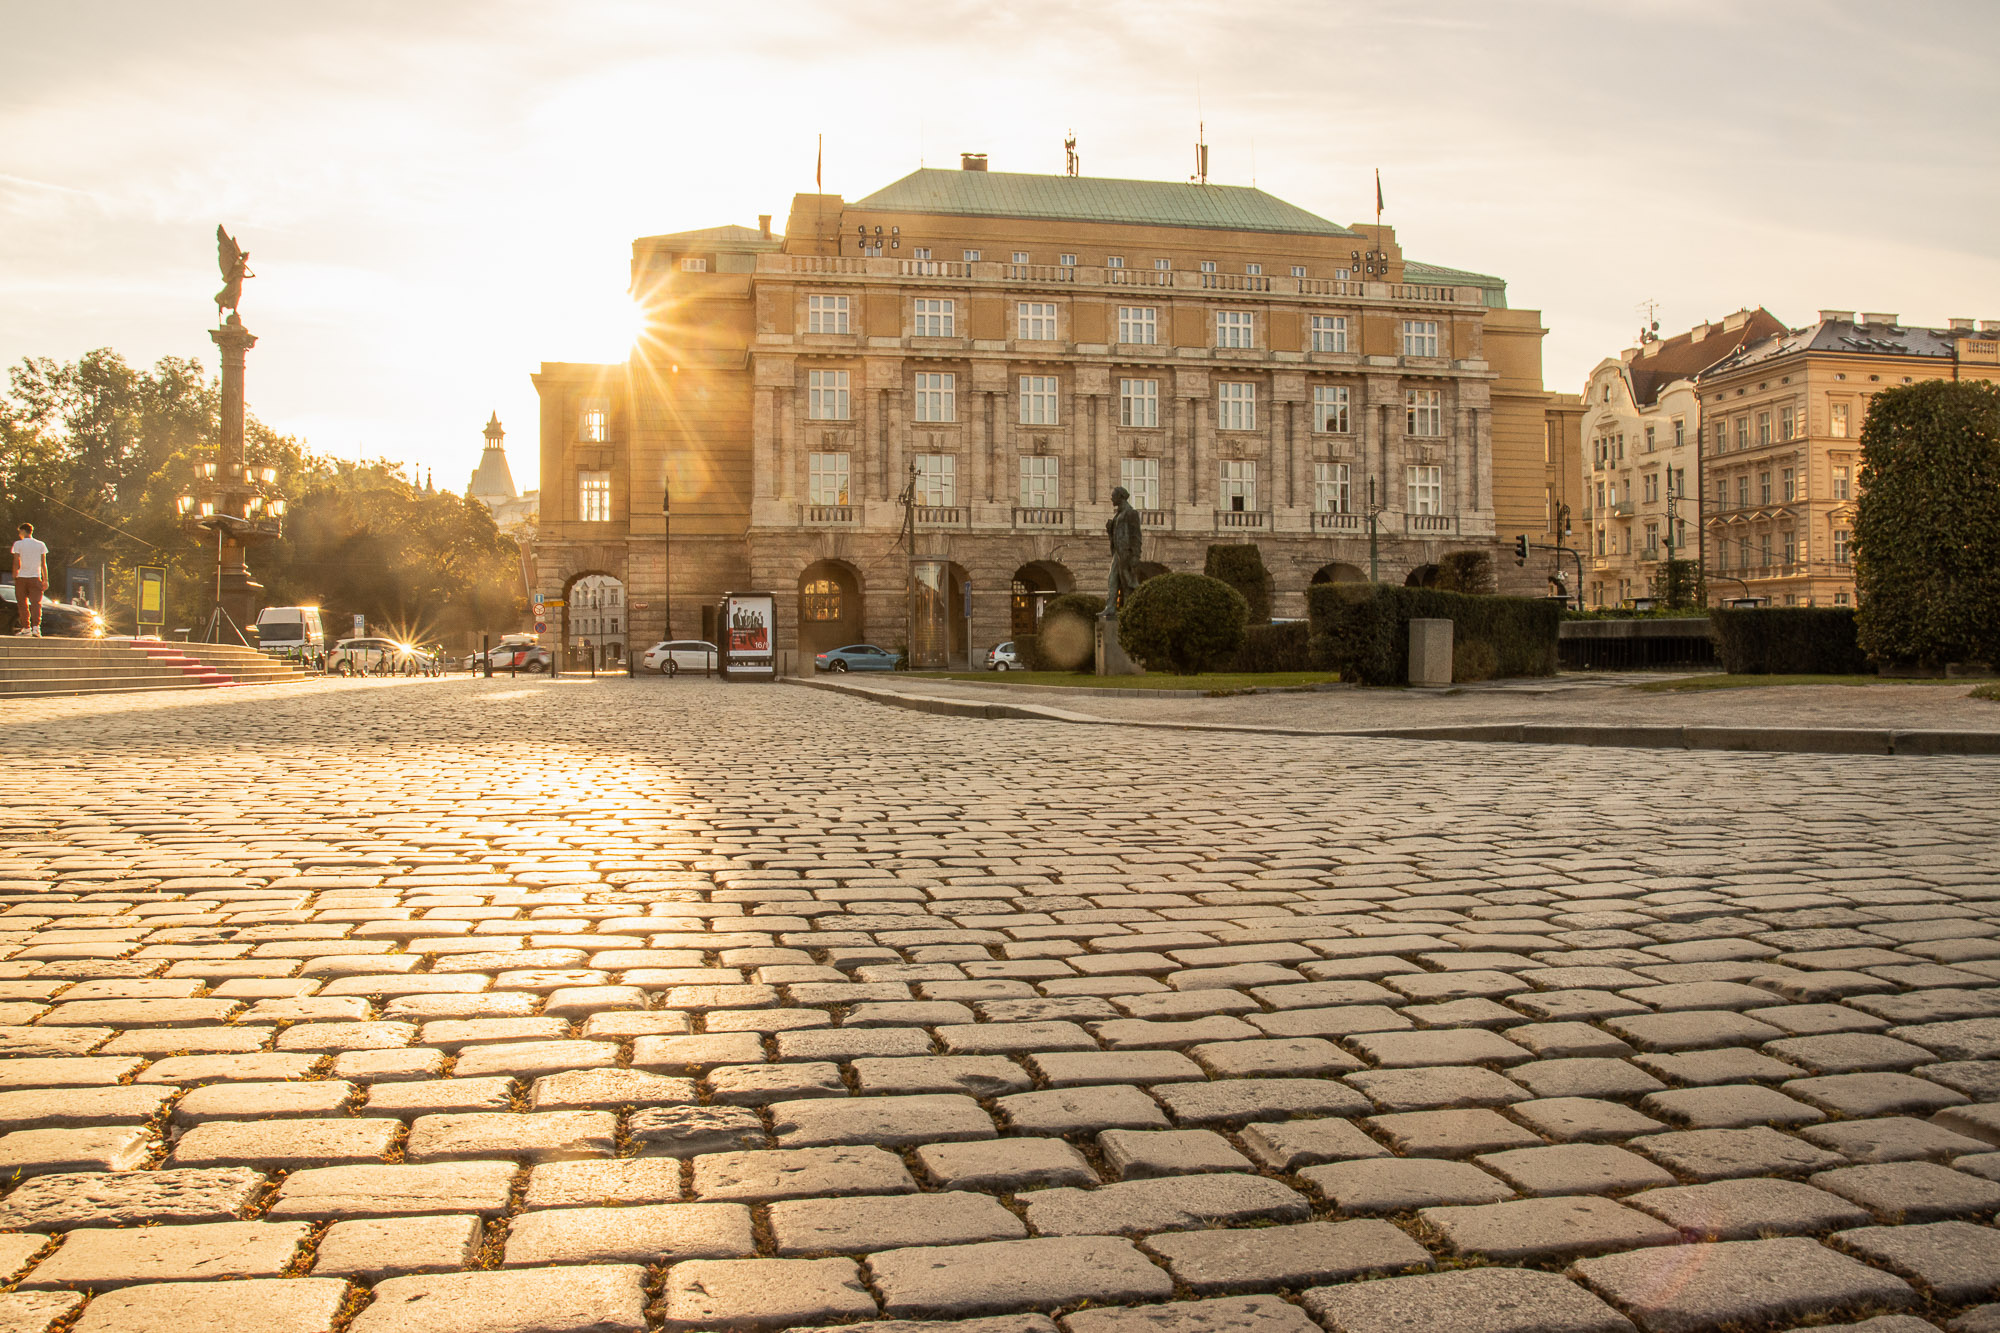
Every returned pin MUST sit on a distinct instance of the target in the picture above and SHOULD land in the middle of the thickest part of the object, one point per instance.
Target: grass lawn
(1213, 680)
(1726, 682)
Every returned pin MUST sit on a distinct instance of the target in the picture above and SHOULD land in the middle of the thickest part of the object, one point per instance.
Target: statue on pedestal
(1128, 535)
(234, 261)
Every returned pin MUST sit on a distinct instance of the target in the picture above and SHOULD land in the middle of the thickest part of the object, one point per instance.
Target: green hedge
(1362, 630)
(1183, 623)
(1788, 641)
(1280, 647)
(1241, 566)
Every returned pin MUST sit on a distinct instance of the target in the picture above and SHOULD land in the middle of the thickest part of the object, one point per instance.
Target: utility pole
(1374, 550)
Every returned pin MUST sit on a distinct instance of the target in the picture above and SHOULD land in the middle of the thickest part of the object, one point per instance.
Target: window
(936, 318)
(1763, 428)
(937, 397)
(1238, 489)
(1786, 480)
(922, 252)
(1763, 488)
(1651, 444)
(1600, 496)
(1329, 333)
(1138, 403)
(1235, 406)
(1040, 478)
(593, 423)
(1425, 412)
(1764, 550)
(1038, 400)
(1722, 554)
(1722, 494)
(1253, 269)
(1743, 552)
(1114, 261)
(819, 600)
(1298, 270)
(971, 256)
(1331, 491)
(1652, 488)
(1020, 256)
(1330, 409)
(1841, 483)
(1837, 421)
(826, 479)
(1234, 328)
(1420, 338)
(826, 314)
(1791, 548)
(1652, 541)
(1141, 479)
(937, 481)
(1721, 436)
(593, 497)
(1036, 320)
(826, 395)
(1743, 432)
(1067, 261)
(1600, 536)
(1840, 599)
(1785, 423)
(1426, 489)
(1841, 548)
(1165, 264)
(694, 266)
(1680, 432)
(1138, 324)
(1743, 491)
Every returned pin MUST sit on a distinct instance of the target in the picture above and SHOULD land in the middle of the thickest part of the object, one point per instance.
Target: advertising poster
(151, 599)
(748, 621)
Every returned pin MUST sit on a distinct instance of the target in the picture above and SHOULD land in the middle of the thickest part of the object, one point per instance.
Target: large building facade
(906, 415)
(1641, 425)
(1781, 448)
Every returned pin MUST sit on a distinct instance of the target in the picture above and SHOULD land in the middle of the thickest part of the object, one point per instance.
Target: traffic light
(1521, 549)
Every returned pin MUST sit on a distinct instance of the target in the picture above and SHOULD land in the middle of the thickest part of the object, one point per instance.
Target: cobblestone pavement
(1590, 701)
(470, 1007)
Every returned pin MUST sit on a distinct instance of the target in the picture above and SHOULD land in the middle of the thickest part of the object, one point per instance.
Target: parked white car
(1001, 657)
(677, 655)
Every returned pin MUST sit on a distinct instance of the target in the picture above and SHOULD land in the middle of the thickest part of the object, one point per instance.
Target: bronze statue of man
(1128, 535)
(234, 261)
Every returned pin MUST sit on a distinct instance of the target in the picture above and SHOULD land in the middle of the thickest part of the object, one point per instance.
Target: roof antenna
(1072, 166)
(1649, 332)
(1200, 176)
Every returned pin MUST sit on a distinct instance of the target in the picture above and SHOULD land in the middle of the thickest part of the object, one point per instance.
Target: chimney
(1836, 316)
(1960, 325)
(764, 225)
(1989, 326)
(1875, 317)
(972, 161)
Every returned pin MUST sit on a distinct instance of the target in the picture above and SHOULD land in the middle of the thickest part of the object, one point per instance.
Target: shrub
(1280, 647)
(1362, 630)
(1927, 526)
(1241, 566)
(1182, 623)
(1473, 659)
(1028, 652)
(1066, 640)
(1788, 641)
(1468, 572)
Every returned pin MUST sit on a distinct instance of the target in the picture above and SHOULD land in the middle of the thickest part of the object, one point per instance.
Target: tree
(1183, 623)
(1241, 566)
(1927, 527)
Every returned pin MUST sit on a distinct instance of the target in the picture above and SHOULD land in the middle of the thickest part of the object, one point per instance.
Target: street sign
(538, 599)
(541, 627)
(360, 625)
(968, 599)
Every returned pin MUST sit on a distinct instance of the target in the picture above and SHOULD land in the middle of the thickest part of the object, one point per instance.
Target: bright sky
(438, 196)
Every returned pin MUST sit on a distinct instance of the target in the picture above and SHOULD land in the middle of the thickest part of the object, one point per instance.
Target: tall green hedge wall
(1788, 641)
(1362, 630)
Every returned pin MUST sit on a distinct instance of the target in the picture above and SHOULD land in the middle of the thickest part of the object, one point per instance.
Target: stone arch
(1423, 576)
(1035, 585)
(830, 607)
(1339, 573)
(596, 613)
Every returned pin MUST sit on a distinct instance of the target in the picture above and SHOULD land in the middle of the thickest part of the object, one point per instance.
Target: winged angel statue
(235, 263)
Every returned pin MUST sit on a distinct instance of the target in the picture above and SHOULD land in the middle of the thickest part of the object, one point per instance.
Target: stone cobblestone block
(1304, 1255)
(129, 1198)
(690, 1131)
(889, 1122)
(1286, 1145)
(1238, 1100)
(42, 1152)
(460, 1096)
(1400, 1184)
(1141, 1206)
(283, 1144)
(268, 1067)
(1144, 1154)
(36, 1311)
(1450, 1133)
(759, 1085)
(340, 1192)
(1539, 1230)
(1684, 1288)
(97, 1259)
(604, 1298)
(1228, 1314)
(1584, 1077)
(603, 1183)
(764, 1293)
(1582, 1119)
(860, 1225)
(1575, 1168)
(800, 1173)
(269, 1305)
(383, 1247)
(1006, 1165)
(1894, 1139)
(1473, 1300)
(607, 1089)
(645, 1234)
(1858, 1095)
(1730, 1106)
(1720, 1154)
(1747, 1209)
(1436, 1089)
(263, 1101)
(972, 1075)
(1082, 1110)
(533, 1059)
(1000, 1277)
(540, 1136)
(693, 1055)
(1955, 1261)
(1913, 1191)
(16, 1249)
(74, 1108)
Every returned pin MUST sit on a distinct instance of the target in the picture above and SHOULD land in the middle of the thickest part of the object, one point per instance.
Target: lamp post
(242, 508)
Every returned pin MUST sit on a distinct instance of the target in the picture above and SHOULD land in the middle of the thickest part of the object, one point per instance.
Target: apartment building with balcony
(1781, 447)
(981, 357)
(1641, 425)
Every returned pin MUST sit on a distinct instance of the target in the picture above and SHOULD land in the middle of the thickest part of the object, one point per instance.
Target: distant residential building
(597, 616)
(1641, 425)
(1781, 446)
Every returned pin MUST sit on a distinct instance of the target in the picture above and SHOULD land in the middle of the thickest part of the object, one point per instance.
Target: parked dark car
(60, 620)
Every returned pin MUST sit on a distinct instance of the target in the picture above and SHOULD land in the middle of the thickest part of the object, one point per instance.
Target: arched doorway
(595, 619)
(1423, 576)
(830, 607)
(938, 634)
(1035, 584)
(1339, 573)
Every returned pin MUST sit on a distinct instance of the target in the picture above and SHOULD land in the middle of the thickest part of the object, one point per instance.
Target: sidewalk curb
(1767, 740)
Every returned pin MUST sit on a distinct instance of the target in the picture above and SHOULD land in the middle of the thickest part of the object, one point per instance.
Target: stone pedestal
(1111, 658)
(1430, 652)
(241, 595)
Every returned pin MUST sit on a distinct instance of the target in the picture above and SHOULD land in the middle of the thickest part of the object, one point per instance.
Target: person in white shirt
(31, 576)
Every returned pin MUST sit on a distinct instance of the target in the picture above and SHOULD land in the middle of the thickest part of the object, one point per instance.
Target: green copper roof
(727, 237)
(1495, 288)
(1005, 194)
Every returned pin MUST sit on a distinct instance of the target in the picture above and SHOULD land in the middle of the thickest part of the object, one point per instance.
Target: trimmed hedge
(1183, 623)
(1066, 639)
(1362, 630)
(1469, 572)
(1788, 641)
(1241, 566)
(1280, 647)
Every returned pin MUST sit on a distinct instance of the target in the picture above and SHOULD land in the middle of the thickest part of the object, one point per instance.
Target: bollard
(486, 653)
(590, 652)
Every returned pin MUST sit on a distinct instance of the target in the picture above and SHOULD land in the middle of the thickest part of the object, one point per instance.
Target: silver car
(1001, 657)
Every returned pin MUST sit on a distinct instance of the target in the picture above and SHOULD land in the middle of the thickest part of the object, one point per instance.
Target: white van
(290, 629)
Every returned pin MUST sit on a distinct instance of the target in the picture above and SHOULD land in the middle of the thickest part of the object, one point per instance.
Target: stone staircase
(46, 668)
